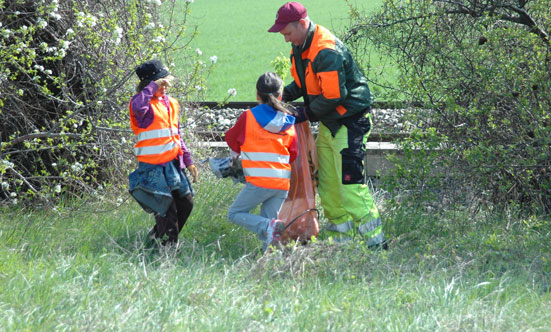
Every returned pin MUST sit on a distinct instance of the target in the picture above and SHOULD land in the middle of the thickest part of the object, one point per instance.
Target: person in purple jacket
(159, 184)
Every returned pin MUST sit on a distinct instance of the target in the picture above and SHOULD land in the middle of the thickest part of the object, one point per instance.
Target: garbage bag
(299, 209)
(227, 167)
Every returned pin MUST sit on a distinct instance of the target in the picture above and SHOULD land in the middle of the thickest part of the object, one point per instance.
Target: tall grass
(236, 32)
(88, 269)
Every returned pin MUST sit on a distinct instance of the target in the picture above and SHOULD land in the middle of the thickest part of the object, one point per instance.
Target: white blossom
(190, 1)
(57, 188)
(57, 17)
(213, 59)
(159, 39)
(93, 20)
(156, 2)
(198, 51)
(54, 164)
(76, 167)
(61, 53)
(232, 92)
(64, 44)
(118, 35)
(7, 164)
(41, 23)
(5, 185)
(13, 195)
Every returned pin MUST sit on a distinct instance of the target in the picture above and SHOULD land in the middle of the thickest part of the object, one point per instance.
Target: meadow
(236, 33)
(85, 266)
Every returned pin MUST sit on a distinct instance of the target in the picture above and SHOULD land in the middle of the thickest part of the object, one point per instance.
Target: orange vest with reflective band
(160, 141)
(265, 155)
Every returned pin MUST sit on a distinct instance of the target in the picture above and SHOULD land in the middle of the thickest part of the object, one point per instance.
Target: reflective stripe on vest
(267, 172)
(265, 156)
(157, 133)
(154, 149)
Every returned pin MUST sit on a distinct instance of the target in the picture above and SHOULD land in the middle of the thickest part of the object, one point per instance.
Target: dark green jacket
(336, 89)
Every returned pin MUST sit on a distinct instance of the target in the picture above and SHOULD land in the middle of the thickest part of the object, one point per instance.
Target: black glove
(300, 115)
(305, 113)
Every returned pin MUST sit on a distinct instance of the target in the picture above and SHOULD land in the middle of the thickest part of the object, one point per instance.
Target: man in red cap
(336, 93)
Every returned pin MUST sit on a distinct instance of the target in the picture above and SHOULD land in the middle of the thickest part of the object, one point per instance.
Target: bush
(65, 82)
(482, 68)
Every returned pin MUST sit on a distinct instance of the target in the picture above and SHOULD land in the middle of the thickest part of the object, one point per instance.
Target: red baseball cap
(289, 12)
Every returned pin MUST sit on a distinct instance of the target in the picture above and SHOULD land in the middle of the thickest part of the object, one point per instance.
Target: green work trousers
(349, 208)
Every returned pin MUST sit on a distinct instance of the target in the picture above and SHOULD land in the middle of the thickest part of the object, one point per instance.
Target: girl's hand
(194, 172)
(165, 81)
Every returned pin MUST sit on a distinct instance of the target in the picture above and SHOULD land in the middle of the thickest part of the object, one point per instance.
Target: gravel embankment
(220, 120)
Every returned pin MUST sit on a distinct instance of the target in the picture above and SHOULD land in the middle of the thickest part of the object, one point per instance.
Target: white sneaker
(274, 230)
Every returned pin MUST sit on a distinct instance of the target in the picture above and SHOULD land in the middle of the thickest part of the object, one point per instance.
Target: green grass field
(86, 268)
(236, 32)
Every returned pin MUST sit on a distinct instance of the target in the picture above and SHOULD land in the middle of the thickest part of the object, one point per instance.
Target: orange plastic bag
(299, 209)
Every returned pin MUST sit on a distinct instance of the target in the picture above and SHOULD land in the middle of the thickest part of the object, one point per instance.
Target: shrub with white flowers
(66, 77)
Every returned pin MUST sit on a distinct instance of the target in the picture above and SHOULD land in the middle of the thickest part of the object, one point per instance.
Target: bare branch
(41, 135)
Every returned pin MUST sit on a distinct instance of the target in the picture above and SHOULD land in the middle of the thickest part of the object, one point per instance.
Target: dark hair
(142, 85)
(269, 87)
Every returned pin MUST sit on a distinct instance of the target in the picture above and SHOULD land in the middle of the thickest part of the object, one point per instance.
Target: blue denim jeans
(250, 197)
(153, 186)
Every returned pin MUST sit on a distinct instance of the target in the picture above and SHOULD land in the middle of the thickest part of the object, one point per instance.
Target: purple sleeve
(186, 158)
(140, 105)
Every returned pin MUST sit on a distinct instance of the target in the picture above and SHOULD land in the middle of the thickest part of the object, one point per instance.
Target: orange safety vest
(160, 141)
(265, 155)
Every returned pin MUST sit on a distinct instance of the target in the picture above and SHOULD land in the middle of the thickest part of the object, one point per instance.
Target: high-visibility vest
(160, 141)
(265, 155)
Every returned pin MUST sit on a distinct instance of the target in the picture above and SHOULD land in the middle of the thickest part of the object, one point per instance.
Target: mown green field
(84, 267)
(236, 32)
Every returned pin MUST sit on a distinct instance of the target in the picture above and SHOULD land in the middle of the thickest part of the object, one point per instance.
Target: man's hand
(194, 172)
